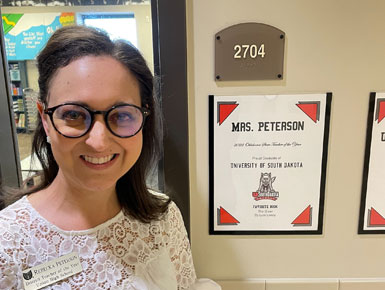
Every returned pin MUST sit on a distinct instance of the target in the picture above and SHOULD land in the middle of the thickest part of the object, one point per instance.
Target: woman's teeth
(101, 160)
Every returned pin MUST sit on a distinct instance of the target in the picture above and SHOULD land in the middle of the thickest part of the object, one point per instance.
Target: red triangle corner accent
(310, 110)
(376, 219)
(226, 218)
(225, 110)
(304, 218)
(381, 111)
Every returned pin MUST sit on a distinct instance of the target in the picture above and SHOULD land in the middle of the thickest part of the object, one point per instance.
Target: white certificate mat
(268, 157)
(372, 211)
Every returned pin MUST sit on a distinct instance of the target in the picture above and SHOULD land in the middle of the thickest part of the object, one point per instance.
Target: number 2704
(247, 50)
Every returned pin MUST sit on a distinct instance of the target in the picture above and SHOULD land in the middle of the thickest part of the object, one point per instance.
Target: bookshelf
(19, 81)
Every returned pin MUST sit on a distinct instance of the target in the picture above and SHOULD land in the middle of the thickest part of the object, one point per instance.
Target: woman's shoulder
(14, 220)
(14, 210)
(172, 212)
(15, 216)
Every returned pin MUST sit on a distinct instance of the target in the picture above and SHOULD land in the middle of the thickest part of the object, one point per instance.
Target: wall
(334, 46)
(143, 26)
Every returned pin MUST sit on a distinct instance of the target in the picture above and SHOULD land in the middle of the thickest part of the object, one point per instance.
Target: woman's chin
(99, 186)
(93, 184)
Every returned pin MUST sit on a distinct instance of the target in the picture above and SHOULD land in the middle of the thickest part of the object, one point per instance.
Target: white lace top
(121, 253)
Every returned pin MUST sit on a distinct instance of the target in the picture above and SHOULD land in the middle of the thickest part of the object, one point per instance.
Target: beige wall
(335, 46)
(143, 25)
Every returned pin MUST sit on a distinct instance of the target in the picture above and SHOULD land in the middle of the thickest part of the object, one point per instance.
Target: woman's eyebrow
(90, 106)
(77, 103)
(121, 103)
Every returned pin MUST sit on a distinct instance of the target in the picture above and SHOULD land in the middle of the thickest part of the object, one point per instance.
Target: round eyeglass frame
(145, 112)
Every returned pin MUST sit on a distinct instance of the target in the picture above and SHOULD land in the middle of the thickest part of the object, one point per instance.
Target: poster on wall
(26, 34)
(61, 3)
(268, 156)
(372, 210)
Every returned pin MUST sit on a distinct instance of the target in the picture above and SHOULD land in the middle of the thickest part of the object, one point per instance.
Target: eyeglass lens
(74, 121)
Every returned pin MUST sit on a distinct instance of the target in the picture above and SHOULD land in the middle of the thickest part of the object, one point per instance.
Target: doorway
(161, 36)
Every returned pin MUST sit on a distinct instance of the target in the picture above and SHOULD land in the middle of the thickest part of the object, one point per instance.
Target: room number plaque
(249, 51)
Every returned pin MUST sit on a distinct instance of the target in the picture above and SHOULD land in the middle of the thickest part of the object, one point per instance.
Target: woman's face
(98, 82)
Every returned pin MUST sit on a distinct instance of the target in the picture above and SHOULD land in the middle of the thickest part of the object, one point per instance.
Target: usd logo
(28, 275)
(266, 190)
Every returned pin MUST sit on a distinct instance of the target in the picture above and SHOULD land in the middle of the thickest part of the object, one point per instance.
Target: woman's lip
(99, 166)
(98, 159)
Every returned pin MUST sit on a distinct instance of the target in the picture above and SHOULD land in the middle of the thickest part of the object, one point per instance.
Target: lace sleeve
(179, 249)
(8, 271)
(9, 236)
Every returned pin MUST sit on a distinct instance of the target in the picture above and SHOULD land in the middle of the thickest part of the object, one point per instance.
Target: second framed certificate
(372, 218)
(268, 157)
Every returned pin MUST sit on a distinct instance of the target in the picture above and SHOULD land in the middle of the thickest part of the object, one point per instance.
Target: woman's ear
(43, 117)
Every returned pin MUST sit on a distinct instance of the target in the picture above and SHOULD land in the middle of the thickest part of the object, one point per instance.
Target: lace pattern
(122, 253)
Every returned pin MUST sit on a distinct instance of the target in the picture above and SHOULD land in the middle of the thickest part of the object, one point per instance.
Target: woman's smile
(99, 162)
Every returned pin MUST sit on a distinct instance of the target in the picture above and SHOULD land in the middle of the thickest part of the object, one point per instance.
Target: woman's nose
(99, 136)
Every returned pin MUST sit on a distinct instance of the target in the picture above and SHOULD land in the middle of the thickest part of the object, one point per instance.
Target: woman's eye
(72, 115)
(122, 117)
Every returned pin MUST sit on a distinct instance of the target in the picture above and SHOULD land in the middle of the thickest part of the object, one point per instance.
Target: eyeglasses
(74, 120)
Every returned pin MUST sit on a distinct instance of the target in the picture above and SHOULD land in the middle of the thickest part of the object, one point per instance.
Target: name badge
(48, 273)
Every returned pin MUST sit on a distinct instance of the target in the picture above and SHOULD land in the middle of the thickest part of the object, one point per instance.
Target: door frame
(10, 169)
(170, 64)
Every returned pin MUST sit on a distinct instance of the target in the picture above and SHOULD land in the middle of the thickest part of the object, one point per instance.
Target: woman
(97, 136)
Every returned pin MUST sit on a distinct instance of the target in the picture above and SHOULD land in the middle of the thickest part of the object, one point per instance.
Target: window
(117, 25)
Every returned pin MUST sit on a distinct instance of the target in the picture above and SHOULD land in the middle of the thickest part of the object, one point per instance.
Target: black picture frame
(213, 211)
(365, 174)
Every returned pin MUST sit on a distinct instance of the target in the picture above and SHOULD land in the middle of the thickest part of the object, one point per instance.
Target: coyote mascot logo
(266, 190)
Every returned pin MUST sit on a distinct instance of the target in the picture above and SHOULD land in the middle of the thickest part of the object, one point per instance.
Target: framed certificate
(268, 156)
(372, 210)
